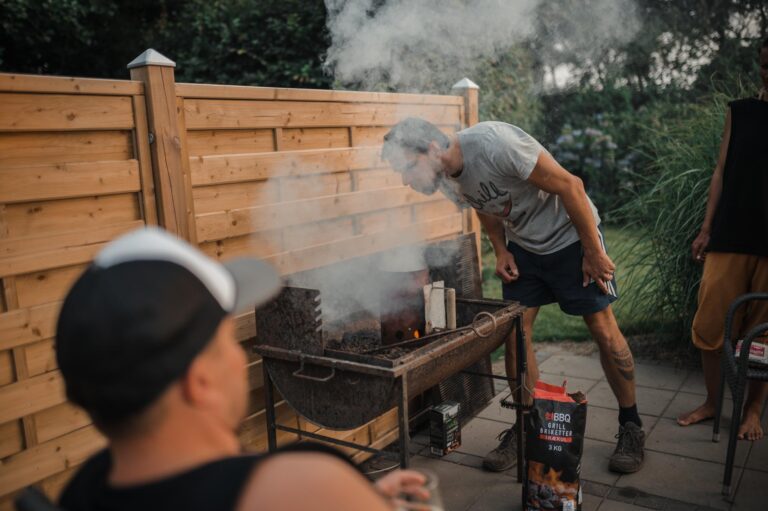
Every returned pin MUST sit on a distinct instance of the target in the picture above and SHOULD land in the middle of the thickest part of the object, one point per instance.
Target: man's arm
(549, 176)
(699, 244)
(505, 261)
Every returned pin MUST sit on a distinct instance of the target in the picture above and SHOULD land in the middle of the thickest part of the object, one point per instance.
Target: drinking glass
(433, 503)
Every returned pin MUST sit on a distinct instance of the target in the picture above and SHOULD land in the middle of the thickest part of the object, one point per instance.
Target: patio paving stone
(462, 486)
(603, 423)
(659, 376)
(594, 462)
(570, 365)
(678, 478)
(752, 492)
(694, 442)
(479, 437)
(758, 455)
(685, 402)
(574, 383)
(650, 401)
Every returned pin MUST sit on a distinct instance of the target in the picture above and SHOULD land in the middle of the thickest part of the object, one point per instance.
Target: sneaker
(628, 456)
(505, 455)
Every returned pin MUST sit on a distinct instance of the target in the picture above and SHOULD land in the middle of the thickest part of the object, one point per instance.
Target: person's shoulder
(305, 479)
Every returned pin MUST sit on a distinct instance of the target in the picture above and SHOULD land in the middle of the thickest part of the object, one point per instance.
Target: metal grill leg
(521, 369)
(269, 407)
(402, 417)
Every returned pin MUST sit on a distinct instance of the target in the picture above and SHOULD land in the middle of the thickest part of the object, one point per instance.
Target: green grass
(553, 324)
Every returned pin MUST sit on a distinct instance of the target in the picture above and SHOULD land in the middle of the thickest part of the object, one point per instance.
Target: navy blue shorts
(556, 277)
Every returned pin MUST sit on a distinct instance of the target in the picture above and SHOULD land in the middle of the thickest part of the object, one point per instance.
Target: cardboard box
(444, 428)
(758, 352)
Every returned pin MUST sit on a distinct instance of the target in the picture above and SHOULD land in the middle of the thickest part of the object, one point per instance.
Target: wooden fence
(293, 176)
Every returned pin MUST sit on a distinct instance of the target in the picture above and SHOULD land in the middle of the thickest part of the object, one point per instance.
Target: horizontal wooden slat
(302, 236)
(260, 244)
(40, 357)
(49, 458)
(435, 209)
(245, 326)
(330, 253)
(65, 240)
(52, 217)
(228, 224)
(210, 142)
(193, 90)
(316, 185)
(255, 375)
(64, 147)
(46, 286)
(53, 486)
(376, 178)
(23, 326)
(59, 420)
(46, 260)
(253, 431)
(385, 219)
(255, 166)
(11, 438)
(208, 199)
(7, 373)
(31, 395)
(65, 180)
(293, 139)
(207, 114)
(67, 84)
(49, 112)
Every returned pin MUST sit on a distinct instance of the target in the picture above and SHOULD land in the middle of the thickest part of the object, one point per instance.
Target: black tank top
(213, 486)
(740, 223)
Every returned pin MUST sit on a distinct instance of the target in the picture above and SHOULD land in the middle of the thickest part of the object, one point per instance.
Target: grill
(342, 389)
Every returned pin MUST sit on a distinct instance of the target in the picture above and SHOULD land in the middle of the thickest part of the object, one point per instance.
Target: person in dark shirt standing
(733, 245)
(146, 345)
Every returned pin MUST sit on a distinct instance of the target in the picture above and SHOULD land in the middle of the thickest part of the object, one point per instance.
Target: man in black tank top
(733, 245)
(146, 344)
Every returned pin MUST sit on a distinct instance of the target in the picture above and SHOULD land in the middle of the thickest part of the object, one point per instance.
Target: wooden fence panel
(292, 176)
(75, 173)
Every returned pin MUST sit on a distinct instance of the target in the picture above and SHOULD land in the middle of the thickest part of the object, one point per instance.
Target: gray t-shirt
(498, 159)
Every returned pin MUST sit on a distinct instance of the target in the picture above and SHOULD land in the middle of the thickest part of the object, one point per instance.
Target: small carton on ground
(444, 428)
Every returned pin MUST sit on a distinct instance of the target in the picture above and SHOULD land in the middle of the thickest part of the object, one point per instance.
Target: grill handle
(298, 373)
(475, 327)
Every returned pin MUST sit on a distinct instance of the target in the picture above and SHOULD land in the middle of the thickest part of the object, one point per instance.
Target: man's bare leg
(615, 356)
(710, 364)
(750, 428)
(532, 373)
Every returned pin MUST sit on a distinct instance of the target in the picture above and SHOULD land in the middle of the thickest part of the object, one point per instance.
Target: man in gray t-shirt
(549, 248)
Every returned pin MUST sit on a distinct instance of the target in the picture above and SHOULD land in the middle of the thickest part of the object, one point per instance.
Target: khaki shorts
(726, 277)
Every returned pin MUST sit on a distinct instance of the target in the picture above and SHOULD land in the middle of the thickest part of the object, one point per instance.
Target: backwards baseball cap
(141, 312)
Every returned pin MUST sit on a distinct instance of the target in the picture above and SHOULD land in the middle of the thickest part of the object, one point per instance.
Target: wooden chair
(737, 372)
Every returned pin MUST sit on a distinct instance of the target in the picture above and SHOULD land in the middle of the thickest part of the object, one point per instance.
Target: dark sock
(629, 414)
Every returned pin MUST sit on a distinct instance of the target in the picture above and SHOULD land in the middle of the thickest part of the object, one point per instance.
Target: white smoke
(417, 46)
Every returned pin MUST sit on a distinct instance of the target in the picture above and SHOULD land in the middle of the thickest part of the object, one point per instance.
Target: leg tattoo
(624, 363)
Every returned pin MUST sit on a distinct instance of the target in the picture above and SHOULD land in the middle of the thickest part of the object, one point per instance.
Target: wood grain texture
(11, 82)
(52, 112)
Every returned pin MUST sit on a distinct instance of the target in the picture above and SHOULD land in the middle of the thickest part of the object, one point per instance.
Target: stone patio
(683, 468)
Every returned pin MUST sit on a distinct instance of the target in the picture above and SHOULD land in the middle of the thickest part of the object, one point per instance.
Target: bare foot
(702, 413)
(750, 428)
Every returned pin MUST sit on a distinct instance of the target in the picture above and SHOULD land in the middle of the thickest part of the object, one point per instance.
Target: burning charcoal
(546, 492)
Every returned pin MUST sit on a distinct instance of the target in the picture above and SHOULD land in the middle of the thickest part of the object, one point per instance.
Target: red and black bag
(554, 443)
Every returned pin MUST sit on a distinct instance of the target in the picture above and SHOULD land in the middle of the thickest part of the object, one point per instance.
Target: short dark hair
(413, 134)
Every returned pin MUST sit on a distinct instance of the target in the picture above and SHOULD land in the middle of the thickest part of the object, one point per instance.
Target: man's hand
(506, 267)
(597, 266)
(699, 246)
(403, 482)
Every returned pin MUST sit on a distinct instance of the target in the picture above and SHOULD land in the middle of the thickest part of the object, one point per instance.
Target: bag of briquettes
(554, 443)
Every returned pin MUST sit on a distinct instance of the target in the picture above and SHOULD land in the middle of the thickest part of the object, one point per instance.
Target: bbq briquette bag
(554, 442)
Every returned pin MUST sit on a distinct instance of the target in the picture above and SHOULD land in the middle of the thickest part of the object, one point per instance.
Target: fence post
(470, 91)
(170, 164)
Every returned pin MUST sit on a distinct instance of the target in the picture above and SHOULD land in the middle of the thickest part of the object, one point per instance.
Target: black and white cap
(141, 312)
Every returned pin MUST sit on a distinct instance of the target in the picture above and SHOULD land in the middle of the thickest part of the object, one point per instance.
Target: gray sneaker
(505, 455)
(628, 456)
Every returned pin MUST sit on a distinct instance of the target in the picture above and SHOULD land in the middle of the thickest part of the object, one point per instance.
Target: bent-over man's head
(147, 330)
(413, 148)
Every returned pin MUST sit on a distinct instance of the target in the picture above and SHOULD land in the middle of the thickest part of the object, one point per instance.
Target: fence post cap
(151, 58)
(465, 83)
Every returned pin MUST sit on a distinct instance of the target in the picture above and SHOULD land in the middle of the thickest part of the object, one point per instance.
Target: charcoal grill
(342, 390)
